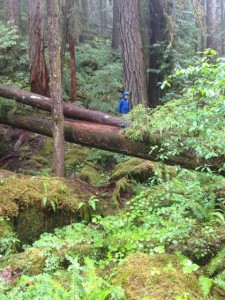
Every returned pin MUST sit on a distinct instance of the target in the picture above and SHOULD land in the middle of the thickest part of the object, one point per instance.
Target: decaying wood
(105, 137)
(70, 110)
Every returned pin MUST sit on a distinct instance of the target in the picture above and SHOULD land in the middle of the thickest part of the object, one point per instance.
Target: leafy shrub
(194, 122)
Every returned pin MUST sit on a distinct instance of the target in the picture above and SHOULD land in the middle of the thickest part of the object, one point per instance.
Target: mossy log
(70, 110)
(107, 137)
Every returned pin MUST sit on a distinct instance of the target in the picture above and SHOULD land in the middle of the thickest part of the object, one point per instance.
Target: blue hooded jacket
(124, 105)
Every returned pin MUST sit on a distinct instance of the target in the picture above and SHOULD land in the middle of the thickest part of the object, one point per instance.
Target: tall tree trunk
(222, 22)
(65, 6)
(116, 25)
(73, 69)
(12, 13)
(211, 23)
(54, 43)
(84, 20)
(38, 69)
(204, 26)
(101, 15)
(132, 51)
(158, 26)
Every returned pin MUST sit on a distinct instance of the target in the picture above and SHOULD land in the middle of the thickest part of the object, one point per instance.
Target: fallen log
(70, 110)
(107, 138)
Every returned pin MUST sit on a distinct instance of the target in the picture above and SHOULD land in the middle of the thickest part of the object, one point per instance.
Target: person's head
(126, 95)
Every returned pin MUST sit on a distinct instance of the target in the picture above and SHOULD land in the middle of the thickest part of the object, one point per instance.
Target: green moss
(74, 158)
(157, 277)
(30, 262)
(90, 175)
(123, 186)
(40, 204)
(141, 170)
(5, 227)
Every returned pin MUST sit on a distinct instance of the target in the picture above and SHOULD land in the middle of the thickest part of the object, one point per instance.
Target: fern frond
(206, 284)
(220, 284)
(215, 263)
(221, 276)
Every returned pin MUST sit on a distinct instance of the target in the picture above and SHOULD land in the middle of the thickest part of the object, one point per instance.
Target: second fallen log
(70, 110)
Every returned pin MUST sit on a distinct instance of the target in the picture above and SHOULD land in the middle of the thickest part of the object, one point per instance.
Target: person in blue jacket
(124, 107)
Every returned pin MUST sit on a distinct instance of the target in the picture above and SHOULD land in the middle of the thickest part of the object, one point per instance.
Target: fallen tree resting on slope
(105, 137)
(69, 109)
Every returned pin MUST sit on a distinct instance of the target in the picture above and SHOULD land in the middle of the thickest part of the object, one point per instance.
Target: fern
(206, 284)
(216, 263)
(220, 283)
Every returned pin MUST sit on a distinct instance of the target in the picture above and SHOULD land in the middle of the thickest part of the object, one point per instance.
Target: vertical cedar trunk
(222, 22)
(132, 51)
(38, 69)
(101, 16)
(84, 20)
(65, 6)
(73, 69)
(12, 13)
(204, 26)
(116, 25)
(54, 44)
(104, 15)
(211, 23)
(158, 26)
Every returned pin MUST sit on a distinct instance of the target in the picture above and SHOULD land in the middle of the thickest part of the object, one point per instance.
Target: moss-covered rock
(157, 277)
(30, 262)
(90, 175)
(74, 158)
(141, 170)
(40, 204)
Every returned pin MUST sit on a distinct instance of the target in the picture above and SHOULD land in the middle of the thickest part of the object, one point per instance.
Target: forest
(112, 149)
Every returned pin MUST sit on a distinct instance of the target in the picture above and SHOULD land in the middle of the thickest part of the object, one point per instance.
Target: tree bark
(102, 15)
(222, 22)
(54, 46)
(84, 20)
(65, 6)
(204, 26)
(70, 110)
(12, 13)
(73, 69)
(116, 41)
(38, 69)
(105, 137)
(132, 51)
(211, 23)
(158, 26)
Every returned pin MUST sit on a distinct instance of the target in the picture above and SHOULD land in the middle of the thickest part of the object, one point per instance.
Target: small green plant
(46, 203)
(8, 239)
(88, 209)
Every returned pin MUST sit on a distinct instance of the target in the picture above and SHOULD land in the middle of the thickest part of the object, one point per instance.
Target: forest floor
(136, 229)
(16, 156)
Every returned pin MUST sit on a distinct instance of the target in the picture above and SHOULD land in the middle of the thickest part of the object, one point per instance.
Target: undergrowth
(180, 216)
